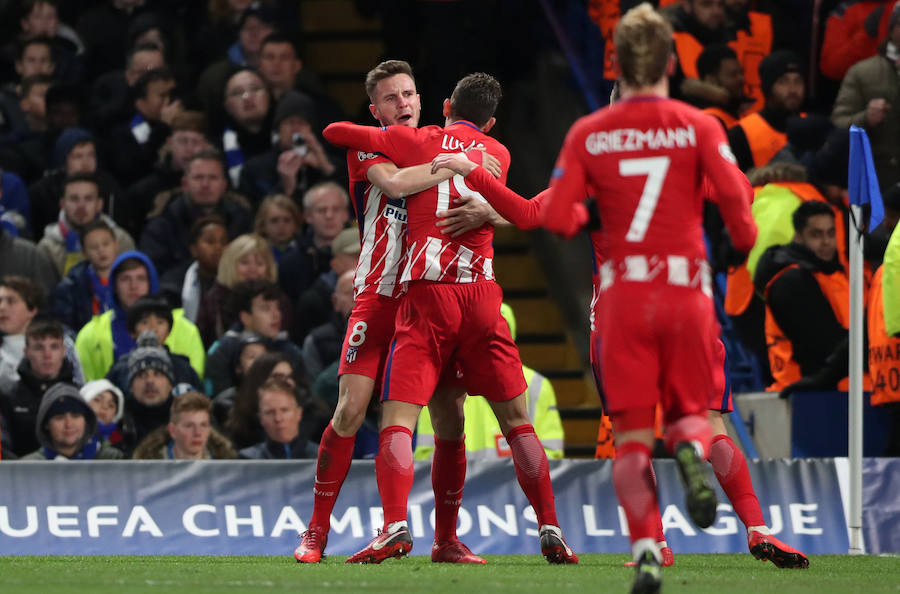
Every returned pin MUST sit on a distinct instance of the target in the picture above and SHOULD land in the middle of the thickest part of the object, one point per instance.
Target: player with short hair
(378, 188)
(644, 159)
(451, 312)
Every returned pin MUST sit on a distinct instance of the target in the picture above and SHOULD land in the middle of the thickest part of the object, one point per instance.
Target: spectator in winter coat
(280, 414)
(188, 435)
(108, 404)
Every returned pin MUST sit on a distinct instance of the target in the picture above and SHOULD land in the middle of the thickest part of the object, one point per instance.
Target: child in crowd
(188, 283)
(278, 220)
(85, 290)
(108, 404)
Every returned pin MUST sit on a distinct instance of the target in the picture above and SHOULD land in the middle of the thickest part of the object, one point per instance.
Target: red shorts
(439, 323)
(368, 336)
(657, 346)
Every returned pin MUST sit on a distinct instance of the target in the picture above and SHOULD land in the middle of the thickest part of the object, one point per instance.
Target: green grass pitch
(698, 574)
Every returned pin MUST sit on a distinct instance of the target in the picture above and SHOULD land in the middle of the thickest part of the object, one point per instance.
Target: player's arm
(524, 214)
(400, 183)
(730, 188)
(564, 212)
(395, 142)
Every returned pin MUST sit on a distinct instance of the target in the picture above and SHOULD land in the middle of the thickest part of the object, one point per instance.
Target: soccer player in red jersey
(377, 187)
(643, 159)
(451, 311)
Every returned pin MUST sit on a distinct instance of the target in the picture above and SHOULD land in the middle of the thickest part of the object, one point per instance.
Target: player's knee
(348, 416)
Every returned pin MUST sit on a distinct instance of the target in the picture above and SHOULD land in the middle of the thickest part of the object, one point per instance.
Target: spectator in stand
(153, 314)
(247, 130)
(106, 339)
(187, 283)
(74, 153)
(278, 220)
(323, 344)
(870, 98)
(246, 258)
(33, 105)
(104, 30)
(79, 204)
(281, 68)
(251, 348)
(21, 257)
(111, 94)
(39, 19)
(151, 380)
(718, 65)
(108, 404)
(187, 138)
(85, 291)
(884, 341)
(484, 439)
(297, 159)
(853, 32)
(256, 22)
(189, 434)
(43, 365)
(243, 426)
(257, 305)
(325, 211)
(318, 302)
(281, 416)
(204, 192)
(137, 143)
(66, 428)
(757, 137)
(34, 57)
(803, 282)
(15, 207)
(20, 301)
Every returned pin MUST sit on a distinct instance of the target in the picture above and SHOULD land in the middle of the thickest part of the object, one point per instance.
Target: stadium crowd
(176, 242)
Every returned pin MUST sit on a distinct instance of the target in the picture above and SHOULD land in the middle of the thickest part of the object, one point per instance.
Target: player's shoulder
(358, 162)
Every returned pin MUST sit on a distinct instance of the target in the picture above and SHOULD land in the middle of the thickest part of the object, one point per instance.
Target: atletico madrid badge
(351, 354)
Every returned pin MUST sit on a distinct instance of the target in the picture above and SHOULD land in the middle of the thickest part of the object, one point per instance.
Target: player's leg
(366, 341)
(448, 472)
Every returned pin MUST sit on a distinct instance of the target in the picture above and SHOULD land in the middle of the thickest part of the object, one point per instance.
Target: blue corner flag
(863, 183)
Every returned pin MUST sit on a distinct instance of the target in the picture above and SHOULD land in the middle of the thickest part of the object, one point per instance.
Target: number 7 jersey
(646, 159)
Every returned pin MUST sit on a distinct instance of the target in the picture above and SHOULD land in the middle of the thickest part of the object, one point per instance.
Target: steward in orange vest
(807, 301)
(759, 136)
(718, 65)
(884, 349)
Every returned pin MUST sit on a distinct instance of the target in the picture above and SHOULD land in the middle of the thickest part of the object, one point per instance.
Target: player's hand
(492, 164)
(456, 162)
(470, 214)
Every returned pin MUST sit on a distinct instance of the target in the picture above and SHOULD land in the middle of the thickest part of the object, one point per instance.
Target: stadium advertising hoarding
(236, 508)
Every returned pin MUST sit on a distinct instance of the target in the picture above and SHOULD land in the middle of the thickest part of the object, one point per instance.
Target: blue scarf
(88, 452)
(102, 293)
(123, 343)
(105, 430)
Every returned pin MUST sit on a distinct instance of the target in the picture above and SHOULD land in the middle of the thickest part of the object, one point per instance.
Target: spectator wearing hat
(869, 97)
(106, 338)
(281, 414)
(325, 212)
(153, 314)
(278, 220)
(150, 382)
(138, 142)
(44, 364)
(79, 204)
(757, 137)
(67, 428)
(108, 404)
(188, 435)
(317, 302)
(247, 123)
(187, 283)
(257, 303)
(323, 344)
(297, 159)
(187, 138)
(75, 152)
(204, 192)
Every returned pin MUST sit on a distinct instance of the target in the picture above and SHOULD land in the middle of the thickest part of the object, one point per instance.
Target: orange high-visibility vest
(726, 118)
(884, 350)
(764, 140)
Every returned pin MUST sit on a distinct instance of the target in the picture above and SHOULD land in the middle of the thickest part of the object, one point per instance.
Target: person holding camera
(297, 160)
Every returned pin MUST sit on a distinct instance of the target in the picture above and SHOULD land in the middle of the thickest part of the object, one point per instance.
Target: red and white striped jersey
(382, 229)
(431, 255)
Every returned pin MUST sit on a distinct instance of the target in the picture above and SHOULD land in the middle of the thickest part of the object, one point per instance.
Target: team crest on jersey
(726, 153)
(351, 354)
(363, 156)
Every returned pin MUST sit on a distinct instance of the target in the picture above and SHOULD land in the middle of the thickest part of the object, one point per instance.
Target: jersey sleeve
(564, 211)
(521, 212)
(359, 162)
(395, 142)
(725, 184)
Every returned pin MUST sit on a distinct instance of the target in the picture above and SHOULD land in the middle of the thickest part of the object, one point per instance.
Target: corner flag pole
(863, 189)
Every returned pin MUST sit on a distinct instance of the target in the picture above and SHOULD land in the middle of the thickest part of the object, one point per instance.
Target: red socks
(730, 467)
(448, 474)
(692, 429)
(660, 536)
(394, 471)
(335, 453)
(635, 487)
(533, 472)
